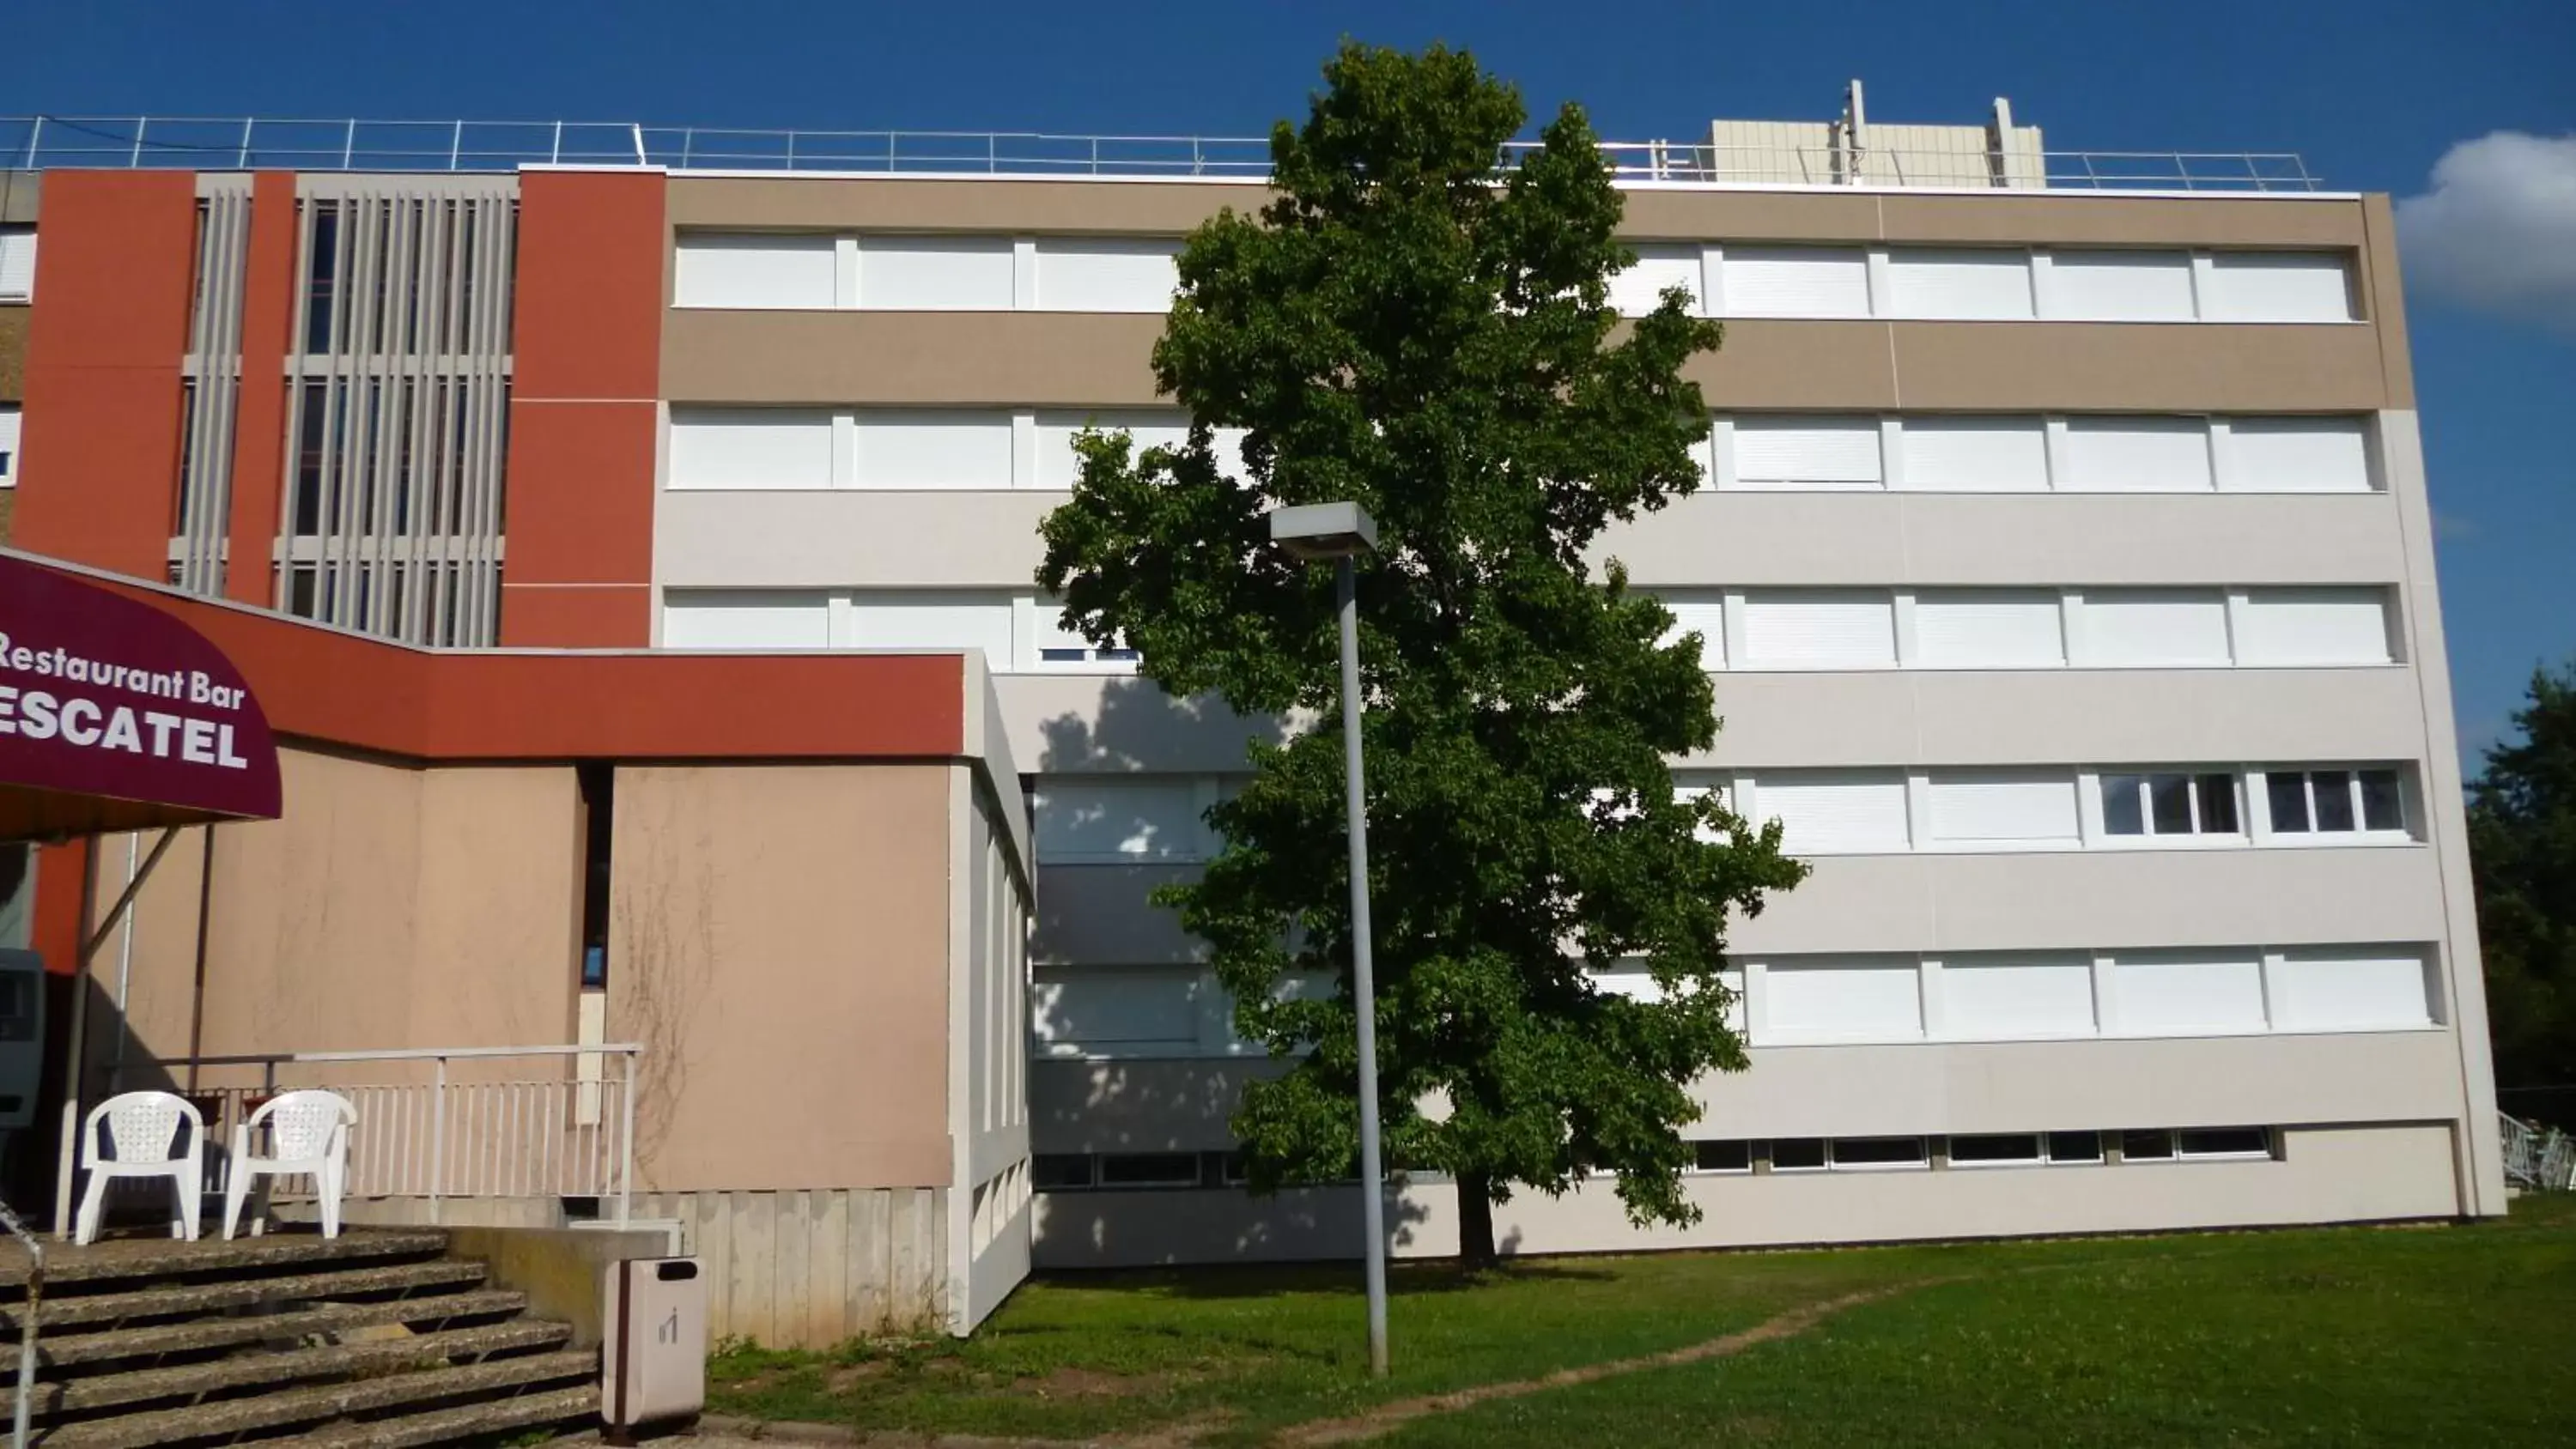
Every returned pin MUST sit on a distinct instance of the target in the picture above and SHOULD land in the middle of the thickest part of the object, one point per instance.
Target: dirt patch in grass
(1386, 1418)
(1079, 1383)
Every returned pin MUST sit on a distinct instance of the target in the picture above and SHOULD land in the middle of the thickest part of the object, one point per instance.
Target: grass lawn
(2434, 1336)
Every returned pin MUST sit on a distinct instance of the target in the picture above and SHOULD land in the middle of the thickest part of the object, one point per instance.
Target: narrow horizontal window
(1873, 1152)
(1060, 1171)
(2146, 1145)
(1149, 1169)
(2335, 802)
(1797, 1154)
(2169, 804)
(2074, 1147)
(1722, 1156)
(2224, 1142)
(1994, 1149)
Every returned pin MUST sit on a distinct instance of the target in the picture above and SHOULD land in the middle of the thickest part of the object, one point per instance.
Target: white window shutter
(927, 619)
(899, 449)
(2345, 990)
(1082, 820)
(746, 619)
(1795, 282)
(1834, 812)
(2000, 807)
(1107, 274)
(1988, 629)
(2185, 993)
(1975, 454)
(2297, 455)
(1706, 616)
(750, 448)
(17, 264)
(2172, 628)
(2314, 626)
(2116, 286)
(1968, 284)
(1807, 452)
(1861, 999)
(2278, 287)
(936, 273)
(752, 270)
(2000, 998)
(1640, 289)
(2137, 455)
(1818, 629)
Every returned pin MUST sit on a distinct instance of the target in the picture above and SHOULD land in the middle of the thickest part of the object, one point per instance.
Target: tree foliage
(1416, 327)
(2522, 846)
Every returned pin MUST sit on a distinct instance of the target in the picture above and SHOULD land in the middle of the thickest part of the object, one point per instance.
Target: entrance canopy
(116, 716)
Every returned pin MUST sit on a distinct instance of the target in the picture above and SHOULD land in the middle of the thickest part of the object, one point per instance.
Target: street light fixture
(1342, 532)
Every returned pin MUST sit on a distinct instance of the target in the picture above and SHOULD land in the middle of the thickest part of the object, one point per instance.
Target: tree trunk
(1475, 1224)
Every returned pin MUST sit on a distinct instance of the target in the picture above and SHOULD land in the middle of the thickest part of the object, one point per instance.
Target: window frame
(2148, 837)
(2357, 798)
(1950, 1151)
(1699, 1164)
(1921, 1162)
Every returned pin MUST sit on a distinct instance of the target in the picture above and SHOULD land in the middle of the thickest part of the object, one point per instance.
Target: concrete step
(191, 1298)
(531, 1410)
(293, 1366)
(231, 1418)
(165, 1259)
(224, 1332)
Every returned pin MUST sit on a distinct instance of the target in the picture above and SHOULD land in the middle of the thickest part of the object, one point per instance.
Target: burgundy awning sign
(115, 715)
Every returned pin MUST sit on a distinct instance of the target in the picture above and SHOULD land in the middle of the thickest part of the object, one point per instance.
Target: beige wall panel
(946, 539)
(1770, 362)
(1101, 915)
(1713, 540)
(817, 1267)
(499, 911)
(818, 1055)
(1116, 724)
(1687, 215)
(2066, 716)
(2135, 366)
(990, 359)
(954, 204)
(2123, 221)
(13, 351)
(2383, 298)
(159, 967)
(2054, 900)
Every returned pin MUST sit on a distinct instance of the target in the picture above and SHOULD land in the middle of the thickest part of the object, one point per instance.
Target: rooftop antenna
(1855, 120)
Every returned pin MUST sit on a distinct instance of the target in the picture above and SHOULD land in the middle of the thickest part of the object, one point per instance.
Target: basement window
(1874, 1153)
(1149, 1169)
(1060, 1171)
(1723, 1156)
(2209, 1142)
(1995, 1150)
(1798, 1154)
(2146, 1145)
(2074, 1147)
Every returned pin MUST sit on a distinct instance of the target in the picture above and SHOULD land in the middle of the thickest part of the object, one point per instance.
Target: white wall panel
(1973, 284)
(1988, 629)
(2314, 626)
(1640, 289)
(1074, 1011)
(2186, 993)
(931, 619)
(1865, 999)
(1807, 452)
(1083, 821)
(1708, 618)
(2170, 628)
(2297, 455)
(2345, 990)
(748, 269)
(932, 449)
(2137, 455)
(1992, 998)
(1834, 812)
(746, 620)
(718, 448)
(2277, 287)
(1795, 282)
(1974, 455)
(1818, 629)
(2120, 286)
(1994, 807)
(935, 273)
(1106, 274)
(1058, 467)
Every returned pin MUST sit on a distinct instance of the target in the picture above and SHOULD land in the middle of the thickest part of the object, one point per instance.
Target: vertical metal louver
(398, 382)
(210, 381)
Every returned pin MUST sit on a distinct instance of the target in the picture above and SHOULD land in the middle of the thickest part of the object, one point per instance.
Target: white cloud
(2498, 230)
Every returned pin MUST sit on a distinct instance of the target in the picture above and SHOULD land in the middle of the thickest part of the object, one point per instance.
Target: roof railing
(245, 143)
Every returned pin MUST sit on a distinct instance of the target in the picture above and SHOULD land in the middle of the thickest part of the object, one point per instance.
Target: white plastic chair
(308, 1135)
(140, 1128)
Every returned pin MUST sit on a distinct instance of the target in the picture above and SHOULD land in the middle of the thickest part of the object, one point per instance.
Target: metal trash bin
(653, 1357)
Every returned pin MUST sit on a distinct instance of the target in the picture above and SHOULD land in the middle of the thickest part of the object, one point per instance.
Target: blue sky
(2373, 93)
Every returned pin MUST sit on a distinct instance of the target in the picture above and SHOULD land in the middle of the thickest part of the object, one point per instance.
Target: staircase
(373, 1340)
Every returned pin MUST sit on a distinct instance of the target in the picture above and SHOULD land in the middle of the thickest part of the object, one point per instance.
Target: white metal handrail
(124, 142)
(2542, 1159)
(570, 1134)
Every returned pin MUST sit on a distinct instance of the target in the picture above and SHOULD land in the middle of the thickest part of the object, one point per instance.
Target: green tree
(1414, 325)
(2522, 847)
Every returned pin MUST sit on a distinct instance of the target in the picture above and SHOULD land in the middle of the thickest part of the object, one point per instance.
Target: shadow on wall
(1219, 1226)
(1140, 729)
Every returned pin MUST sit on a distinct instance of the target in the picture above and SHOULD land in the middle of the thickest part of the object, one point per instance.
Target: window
(2334, 802)
(2314, 626)
(1819, 629)
(1640, 289)
(2146, 1145)
(1060, 1171)
(751, 270)
(8, 445)
(1864, 999)
(2277, 287)
(2224, 1142)
(2001, 808)
(321, 276)
(1798, 1154)
(1149, 1169)
(17, 263)
(2074, 1147)
(2169, 805)
(1826, 812)
(1995, 1150)
(750, 448)
(1729, 1156)
(1864, 1153)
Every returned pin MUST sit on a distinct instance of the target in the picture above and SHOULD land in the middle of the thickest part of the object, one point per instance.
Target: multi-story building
(2064, 567)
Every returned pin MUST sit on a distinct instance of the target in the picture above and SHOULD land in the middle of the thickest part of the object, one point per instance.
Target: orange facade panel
(103, 408)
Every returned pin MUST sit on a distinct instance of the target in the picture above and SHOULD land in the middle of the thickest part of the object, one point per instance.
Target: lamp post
(1342, 532)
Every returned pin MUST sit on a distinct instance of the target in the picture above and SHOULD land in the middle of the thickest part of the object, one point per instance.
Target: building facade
(2064, 570)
